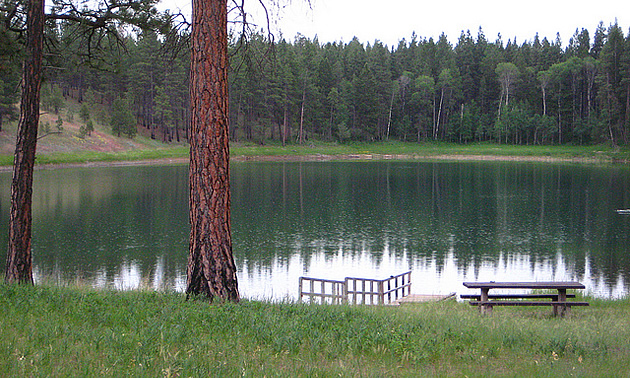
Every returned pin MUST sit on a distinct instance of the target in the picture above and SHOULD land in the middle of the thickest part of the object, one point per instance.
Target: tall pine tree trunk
(19, 260)
(285, 123)
(301, 136)
(544, 98)
(211, 269)
(439, 116)
(626, 129)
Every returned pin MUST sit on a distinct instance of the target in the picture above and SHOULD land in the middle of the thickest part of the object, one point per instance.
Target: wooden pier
(355, 290)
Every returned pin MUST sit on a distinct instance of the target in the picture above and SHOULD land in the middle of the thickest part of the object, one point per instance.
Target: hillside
(69, 139)
(69, 146)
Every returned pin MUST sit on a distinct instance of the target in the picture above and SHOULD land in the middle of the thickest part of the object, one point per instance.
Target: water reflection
(489, 221)
(447, 222)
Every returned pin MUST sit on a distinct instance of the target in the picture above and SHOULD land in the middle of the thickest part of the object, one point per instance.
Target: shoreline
(331, 157)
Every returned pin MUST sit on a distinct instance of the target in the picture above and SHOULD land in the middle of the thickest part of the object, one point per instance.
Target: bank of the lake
(332, 151)
(78, 331)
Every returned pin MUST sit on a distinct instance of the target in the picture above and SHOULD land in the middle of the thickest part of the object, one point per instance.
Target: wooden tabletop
(525, 285)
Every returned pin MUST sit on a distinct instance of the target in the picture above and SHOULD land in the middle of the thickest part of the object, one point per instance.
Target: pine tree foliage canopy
(301, 89)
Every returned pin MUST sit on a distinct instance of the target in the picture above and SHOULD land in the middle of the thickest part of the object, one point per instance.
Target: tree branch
(49, 133)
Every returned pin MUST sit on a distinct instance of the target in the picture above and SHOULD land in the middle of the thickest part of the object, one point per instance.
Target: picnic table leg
(485, 309)
(562, 297)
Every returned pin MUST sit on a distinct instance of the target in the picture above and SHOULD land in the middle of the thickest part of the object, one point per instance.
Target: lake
(447, 222)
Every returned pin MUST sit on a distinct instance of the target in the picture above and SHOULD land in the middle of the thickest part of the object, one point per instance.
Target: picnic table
(486, 301)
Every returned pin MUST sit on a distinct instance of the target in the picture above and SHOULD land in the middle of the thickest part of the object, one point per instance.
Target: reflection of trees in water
(103, 224)
(482, 211)
(112, 223)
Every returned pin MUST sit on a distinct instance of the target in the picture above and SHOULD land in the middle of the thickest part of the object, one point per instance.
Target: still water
(447, 222)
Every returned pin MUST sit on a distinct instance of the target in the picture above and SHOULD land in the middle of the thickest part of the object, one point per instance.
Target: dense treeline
(537, 92)
(534, 93)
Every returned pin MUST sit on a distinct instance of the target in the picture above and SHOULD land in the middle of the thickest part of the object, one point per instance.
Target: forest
(295, 91)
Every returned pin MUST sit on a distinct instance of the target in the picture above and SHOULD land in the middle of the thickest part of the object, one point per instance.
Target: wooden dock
(393, 291)
(354, 290)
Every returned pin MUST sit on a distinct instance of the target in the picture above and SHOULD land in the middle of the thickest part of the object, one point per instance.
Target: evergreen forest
(534, 92)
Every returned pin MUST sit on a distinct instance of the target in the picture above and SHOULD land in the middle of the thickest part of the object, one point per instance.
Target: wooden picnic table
(559, 301)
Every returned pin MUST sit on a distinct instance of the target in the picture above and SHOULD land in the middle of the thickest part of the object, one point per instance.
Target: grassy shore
(74, 331)
(331, 151)
(439, 150)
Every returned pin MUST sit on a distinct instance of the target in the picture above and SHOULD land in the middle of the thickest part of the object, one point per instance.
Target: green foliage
(45, 127)
(415, 90)
(59, 123)
(343, 134)
(82, 132)
(52, 98)
(84, 112)
(122, 119)
(89, 127)
(9, 76)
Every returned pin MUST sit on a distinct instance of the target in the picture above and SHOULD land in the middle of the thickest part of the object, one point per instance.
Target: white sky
(391, 20)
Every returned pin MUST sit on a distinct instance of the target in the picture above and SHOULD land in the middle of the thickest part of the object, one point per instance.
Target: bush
(89, 127)
(59, 123)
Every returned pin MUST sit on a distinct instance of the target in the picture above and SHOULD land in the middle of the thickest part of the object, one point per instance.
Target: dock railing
(355, 290)
(398, 286)
(322, 291)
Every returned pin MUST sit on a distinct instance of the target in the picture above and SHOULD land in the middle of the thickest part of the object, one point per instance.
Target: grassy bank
(53, 331)
(80, 157)
(384, 149)
(429, 149)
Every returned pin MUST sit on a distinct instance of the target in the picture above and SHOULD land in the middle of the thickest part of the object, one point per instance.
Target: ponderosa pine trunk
(19, 259)
(211, 270)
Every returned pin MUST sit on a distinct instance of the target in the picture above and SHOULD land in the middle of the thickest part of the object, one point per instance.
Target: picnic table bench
(486, 301)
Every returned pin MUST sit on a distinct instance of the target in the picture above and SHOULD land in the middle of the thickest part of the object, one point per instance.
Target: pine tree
(122, 120)
(211, 270)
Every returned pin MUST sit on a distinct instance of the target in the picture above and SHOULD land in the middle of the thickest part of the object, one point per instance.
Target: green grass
(131, 155)
(74, 331)
(428, 149)
(94, 156)
(401, 150)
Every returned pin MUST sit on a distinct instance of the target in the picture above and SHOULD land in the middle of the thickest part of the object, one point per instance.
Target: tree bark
(544, 98)
(211, 269)
(301, 137)
(389, 117)
(19, 259)
(285, 122)
(437, 125)
(626, 129)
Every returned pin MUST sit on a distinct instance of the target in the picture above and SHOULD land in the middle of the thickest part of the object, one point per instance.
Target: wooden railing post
(300, 290)
(381, 293)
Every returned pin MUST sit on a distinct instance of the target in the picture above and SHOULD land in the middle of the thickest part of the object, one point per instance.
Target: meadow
(74, 330)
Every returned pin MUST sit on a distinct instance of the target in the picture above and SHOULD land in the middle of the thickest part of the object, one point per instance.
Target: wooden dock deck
(420, 298)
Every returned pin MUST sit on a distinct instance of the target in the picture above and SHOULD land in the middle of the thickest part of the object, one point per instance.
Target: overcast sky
(391, 20)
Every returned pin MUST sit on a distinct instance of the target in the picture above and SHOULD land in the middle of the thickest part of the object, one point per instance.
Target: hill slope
(69, 139)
